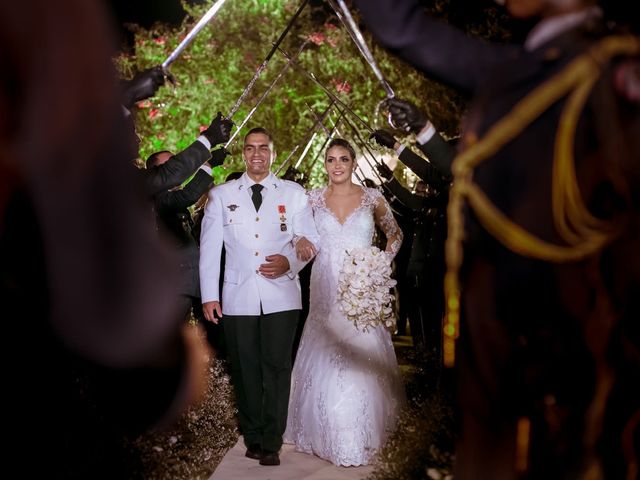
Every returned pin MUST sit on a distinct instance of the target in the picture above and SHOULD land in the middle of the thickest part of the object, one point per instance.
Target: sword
(306, 149)
(344, 15)
(288, 159)
(364, 146)
(316, 117)
(358, 177)
(276, 45)
(330, 134)
(319, 123)
(331, 95)
(311, 134)
(264, 94)
(191, 35)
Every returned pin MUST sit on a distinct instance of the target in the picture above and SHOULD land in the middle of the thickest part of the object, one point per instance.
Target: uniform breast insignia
(232, 207)
(282, 210)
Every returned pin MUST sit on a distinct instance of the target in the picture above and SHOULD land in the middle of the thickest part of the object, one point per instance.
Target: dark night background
(145, 13)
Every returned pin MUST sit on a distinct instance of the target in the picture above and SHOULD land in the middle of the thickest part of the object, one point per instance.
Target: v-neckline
(351, 213)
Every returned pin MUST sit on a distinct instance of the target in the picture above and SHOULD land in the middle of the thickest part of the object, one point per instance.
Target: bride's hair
(341, 142)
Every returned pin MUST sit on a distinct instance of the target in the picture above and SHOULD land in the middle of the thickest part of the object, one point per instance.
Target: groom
(256, 218)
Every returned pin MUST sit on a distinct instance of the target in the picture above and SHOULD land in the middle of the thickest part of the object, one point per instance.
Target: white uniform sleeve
(211, 238)
(303, 225)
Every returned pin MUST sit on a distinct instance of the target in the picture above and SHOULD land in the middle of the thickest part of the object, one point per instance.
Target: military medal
(232, 207)
(282, 210)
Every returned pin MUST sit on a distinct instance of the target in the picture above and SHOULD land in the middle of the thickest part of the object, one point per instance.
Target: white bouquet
(364, 285)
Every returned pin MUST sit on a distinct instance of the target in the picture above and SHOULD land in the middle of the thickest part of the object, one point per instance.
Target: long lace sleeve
(385, 220)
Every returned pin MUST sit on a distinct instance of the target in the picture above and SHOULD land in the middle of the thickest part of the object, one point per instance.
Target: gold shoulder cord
(583, 233)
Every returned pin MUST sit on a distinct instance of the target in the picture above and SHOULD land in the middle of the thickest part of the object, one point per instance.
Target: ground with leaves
(193, 448)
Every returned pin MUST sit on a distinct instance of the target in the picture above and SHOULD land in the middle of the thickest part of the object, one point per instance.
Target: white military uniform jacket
(249, 236)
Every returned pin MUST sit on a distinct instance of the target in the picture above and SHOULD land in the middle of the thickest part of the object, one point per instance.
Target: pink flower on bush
(329, 26)
(317, 37)
(144, 104)
(153, 113)
(342, 86)
(159, 40)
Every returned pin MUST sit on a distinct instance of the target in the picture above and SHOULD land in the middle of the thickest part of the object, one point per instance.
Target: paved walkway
(293, 466)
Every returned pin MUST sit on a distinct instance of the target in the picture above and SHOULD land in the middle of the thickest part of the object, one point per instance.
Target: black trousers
(259, 349)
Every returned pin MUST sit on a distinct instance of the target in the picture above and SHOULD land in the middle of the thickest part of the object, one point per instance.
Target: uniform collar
(271, 182)
(553, 27)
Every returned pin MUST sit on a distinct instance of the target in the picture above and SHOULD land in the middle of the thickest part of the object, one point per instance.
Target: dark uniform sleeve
(176, 170)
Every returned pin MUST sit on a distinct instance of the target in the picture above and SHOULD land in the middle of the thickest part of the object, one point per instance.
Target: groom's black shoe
(254, 451)
(270, 458)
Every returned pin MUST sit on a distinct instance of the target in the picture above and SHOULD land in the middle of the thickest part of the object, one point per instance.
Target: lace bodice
(358, 228)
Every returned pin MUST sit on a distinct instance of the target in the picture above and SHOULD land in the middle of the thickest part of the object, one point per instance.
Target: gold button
(257, 235)
(257, 218)
(256, 254)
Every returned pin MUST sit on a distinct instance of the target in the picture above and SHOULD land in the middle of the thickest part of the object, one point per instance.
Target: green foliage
(215, 68)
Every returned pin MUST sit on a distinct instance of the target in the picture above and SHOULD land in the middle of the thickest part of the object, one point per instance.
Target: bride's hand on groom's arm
(305, 250)
(212, 311)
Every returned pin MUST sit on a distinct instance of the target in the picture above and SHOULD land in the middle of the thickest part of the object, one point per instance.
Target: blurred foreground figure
(94, 351)
(545, 206)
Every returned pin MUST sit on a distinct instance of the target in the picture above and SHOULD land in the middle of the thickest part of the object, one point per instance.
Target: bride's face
(339, 164)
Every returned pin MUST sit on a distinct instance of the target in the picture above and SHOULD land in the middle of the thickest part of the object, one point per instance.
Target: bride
(346, 391)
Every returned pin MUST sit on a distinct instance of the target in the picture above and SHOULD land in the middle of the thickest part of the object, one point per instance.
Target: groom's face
(258, 155)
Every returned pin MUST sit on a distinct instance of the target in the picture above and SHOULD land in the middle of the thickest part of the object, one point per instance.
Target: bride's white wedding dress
(346, 390)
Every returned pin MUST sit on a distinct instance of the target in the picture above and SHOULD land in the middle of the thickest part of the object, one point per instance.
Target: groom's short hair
(262, 130)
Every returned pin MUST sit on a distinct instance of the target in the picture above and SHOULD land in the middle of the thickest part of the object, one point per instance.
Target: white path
(293, 466)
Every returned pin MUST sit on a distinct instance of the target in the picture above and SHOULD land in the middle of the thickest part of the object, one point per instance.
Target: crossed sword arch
(335, 105)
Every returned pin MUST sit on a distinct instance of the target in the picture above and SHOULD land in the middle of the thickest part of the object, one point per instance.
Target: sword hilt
(168, 75)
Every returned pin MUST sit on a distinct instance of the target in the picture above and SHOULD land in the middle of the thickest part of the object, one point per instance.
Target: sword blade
(330, 135)
(264, 95)
(306, 149)
(343, 13)
(326, 90)
(316, 117)
(192, 34)
(256, 75)
(311, 135)
(287, 160)
(364, 146)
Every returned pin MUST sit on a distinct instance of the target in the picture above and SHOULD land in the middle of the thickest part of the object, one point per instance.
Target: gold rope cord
(583, 233)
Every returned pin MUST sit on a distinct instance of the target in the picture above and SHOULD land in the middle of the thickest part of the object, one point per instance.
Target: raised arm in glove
(385, 138)
(219, 131)
(143, 85)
